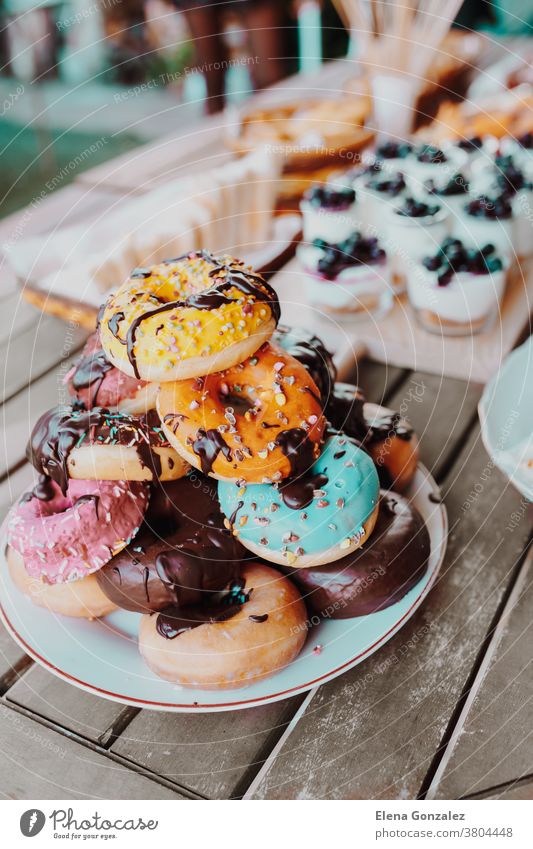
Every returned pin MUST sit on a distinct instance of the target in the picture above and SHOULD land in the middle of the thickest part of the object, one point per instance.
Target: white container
(441, 172)
(522, 232)
(505, 412)
(482, 231)
(468, 304)
(331, 225)
(358, 292)
(411, 239)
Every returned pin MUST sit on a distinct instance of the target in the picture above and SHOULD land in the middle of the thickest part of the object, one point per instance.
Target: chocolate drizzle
(174, 621)
(113, 325)
(61, 429)
(90, 372)
(202, 564)
(311, 352)
(298, 449)
(345, 410)
(207, 446)
(228, 274)
(298, 493)
(182, 554)
(43, 490)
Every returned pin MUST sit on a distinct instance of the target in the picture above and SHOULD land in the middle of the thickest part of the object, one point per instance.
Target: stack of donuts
(211, 475)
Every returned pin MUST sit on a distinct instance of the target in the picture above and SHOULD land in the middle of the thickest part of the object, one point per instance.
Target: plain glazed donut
(313, 519)
(378, 574)
(82, 599)
(262, 635)
(95, 382)
(388, 438)
(102, 444)
(259, 421)
(187, 317)
(66, 537)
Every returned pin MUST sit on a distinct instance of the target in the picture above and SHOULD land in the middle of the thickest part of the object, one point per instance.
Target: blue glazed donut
(311, 520)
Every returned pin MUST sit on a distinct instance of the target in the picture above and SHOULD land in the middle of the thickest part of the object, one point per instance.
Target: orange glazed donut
(186, 317)
(259, 422)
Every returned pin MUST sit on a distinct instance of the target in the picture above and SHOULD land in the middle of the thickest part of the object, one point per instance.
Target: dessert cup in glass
(356, 292)
(330, 212)
(410, 238)
(466, 304)
(479, 230)
(427, 162)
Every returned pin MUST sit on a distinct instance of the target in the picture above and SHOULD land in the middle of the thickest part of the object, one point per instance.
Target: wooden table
(444, 710)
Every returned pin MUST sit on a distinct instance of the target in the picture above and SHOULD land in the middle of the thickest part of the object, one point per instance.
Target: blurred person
(264, 24)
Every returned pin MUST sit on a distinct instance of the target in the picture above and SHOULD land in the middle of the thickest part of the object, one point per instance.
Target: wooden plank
(373, 732)
(494, 744)
(16, 316)
(522, 790)
(69, 707)
(215, 755)
(440, 410)
(14, 485)
(377, 380)
(19, 414)
(71, 205)
(178, 153)
(34, 351)
(39, 763)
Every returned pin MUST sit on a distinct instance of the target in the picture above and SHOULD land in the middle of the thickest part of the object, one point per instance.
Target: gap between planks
(482, 665)
(99, 749)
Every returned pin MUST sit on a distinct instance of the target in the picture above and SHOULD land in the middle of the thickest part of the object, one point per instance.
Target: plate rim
(242, 704)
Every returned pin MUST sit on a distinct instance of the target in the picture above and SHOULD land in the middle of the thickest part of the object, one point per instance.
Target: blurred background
(107, 75)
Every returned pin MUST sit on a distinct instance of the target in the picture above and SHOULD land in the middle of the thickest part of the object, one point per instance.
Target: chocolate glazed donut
(376, 575)
(194, 557)
(389, 439)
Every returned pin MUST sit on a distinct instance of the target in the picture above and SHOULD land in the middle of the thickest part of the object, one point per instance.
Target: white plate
(101, 657)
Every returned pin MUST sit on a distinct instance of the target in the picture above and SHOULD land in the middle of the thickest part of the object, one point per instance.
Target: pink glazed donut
(95, 382)
(63, 538)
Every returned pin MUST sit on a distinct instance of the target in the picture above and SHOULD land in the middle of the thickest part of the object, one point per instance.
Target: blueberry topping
(510, 178)
(430, 153)
(526, 140)
(454, 257)
(389, 186)
(393, 150)
(355, 250)
(457, 185)
(471, 144)
(413, 208)
(330, 197)
(490, 208)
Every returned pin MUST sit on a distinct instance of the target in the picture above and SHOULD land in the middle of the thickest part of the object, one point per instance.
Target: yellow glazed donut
(83, 599)
(187, 317)
(265, 635)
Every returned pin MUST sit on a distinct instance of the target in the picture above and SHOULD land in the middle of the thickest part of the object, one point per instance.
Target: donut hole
(235, 404)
